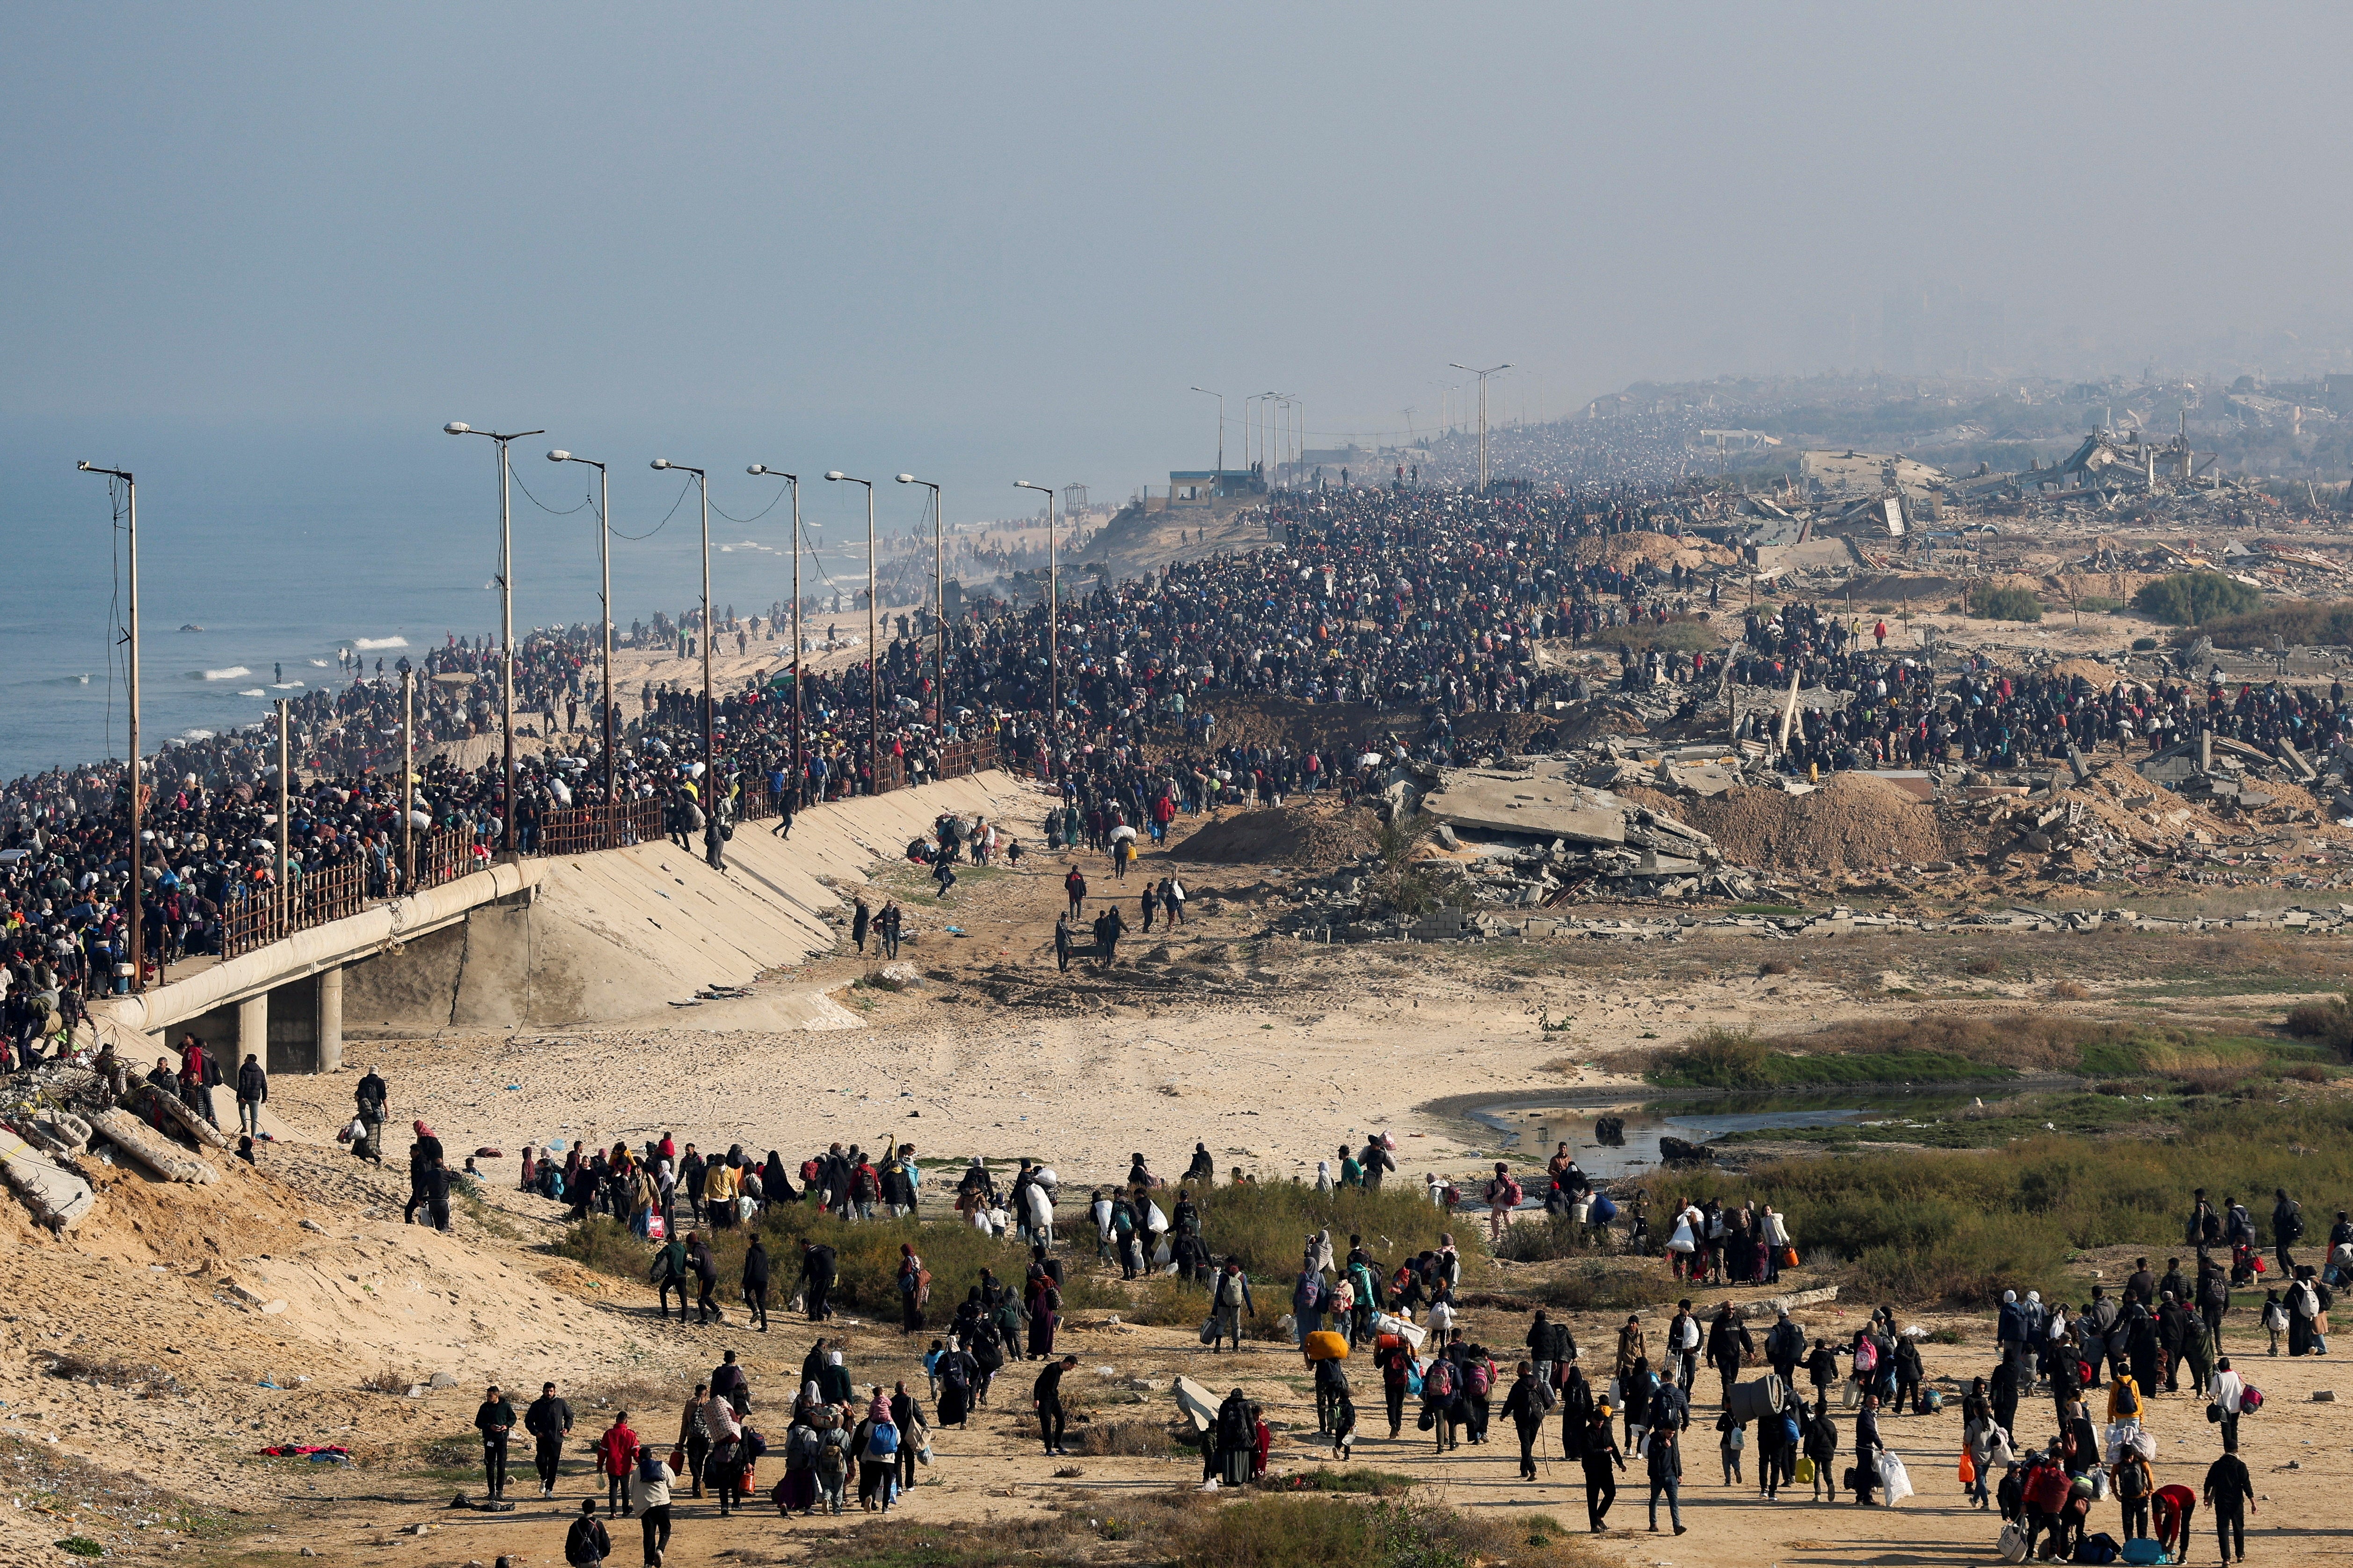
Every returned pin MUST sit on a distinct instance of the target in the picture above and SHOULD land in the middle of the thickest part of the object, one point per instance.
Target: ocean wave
(318, 663)
(287, 686)
(195, 735)
(365, 644)
(253, 691)
(233, 672)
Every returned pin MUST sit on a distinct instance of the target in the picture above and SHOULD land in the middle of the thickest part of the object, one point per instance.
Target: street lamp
(604, 572)
(939, 597)
(800, 772)
(874, 670)
(1053, 617)
(136, 913)
(710, 736)
(1483, 375)
(506, 615)
(1221, 428)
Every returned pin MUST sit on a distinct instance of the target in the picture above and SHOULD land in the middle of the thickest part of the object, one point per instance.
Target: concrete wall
(621, 935)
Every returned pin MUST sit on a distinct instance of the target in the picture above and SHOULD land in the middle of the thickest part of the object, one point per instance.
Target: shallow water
(1529, 1130)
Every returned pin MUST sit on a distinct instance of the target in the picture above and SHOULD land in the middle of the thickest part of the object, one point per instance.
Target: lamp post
(506, 618)
(800, 772)
(604, 572)
(1221, 430)
(874, 670)
(710, 739)
(137, 912)
(939, 598)
(1053, 617)
(1483, 375)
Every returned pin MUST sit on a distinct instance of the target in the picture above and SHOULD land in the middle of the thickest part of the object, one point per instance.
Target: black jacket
(1047, 1391)
(547, 1416)
(755, 1265)
(252, 1083)
(816, 1265)
(586, 1540)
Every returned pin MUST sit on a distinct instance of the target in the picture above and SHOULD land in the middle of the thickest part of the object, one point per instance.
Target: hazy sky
(1001, 240)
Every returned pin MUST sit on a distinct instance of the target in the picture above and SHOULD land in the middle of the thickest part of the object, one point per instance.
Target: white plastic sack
(1154, 1220)
(1893, 1477)
(1682, 1240)
(1163, 1254)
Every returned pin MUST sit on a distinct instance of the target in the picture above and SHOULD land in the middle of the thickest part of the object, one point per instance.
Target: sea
(263, 553)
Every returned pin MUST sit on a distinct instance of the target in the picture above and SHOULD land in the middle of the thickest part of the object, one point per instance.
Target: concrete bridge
(602, 937)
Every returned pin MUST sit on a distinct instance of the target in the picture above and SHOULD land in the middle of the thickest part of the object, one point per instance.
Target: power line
(666, 516)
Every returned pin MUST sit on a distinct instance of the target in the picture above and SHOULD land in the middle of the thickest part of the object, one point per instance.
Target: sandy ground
(1271, 1053)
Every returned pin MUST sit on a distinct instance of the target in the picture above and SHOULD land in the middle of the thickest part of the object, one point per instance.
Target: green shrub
(2328, 1025)
(1555, 1235)
(1964, 1226)
(2005, 604)
(2304, 623)
(2144, 645)
(1732, 1059)
(2192, 598)
(1265, 1225)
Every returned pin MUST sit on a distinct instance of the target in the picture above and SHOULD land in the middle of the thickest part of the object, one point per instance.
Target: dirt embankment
(1853, 822)
(1295, 835)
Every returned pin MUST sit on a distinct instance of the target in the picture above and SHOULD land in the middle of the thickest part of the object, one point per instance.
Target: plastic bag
(1154, 1220)
(1893, 1478)
(1968, 1469)
(1806, 1472)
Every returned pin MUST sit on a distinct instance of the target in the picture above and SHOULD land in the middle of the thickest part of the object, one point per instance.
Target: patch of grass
(1596, 1287)
(2192, 598)
(1147, 1439)
(1555, 1236)
(1355, 1482)
(1983, 965)
(2328, 1025)
(1313, 1529)
(2081, 1115)
(1962, 1227)
(2070, 991)
(1773, 966)
(386, 1380)
(2005, 604)
(80, 1546)
(1731, 1059)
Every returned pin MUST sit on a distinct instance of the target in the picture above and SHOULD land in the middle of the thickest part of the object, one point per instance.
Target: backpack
(580, 1542)
(2296, 1222)
(1477, 1378)
(832, 1464)
(882, 1442)
(1438, 1383)
(1512, 1192)
(1866, 1355)
(2100, 1547)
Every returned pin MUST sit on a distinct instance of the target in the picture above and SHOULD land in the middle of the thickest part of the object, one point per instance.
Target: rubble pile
(60, 1115)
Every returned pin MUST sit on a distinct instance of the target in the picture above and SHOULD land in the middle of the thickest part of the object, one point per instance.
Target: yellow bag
(1806, 1472)
(1325, 1346)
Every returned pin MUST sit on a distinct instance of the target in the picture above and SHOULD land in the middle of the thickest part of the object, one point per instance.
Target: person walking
(1866, 1450)
(369, 1099)
(494, 1418)
(1075, 886)
(669, 1270)
(2229, 1491)
(756, 1284)
(1229, 1297)
(1598, 1453)
(1666, 1469)
(586, 1544)
(650, 1479)
(860, 919)
(252, 1091)
(549, 1421)
(817, 1264)
(1528, 1402)
(1046, 1398)
(695, 1436)
(1063, 943)
(616, 1453)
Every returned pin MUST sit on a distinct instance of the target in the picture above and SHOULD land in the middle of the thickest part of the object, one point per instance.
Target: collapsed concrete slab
(1539, 806)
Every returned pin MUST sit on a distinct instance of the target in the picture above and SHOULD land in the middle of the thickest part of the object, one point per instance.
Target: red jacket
(615, 1450)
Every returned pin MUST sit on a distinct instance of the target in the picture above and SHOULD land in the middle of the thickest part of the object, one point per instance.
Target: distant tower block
(1074, 500)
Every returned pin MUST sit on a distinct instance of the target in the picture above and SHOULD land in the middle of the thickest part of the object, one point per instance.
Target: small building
(1199, 486)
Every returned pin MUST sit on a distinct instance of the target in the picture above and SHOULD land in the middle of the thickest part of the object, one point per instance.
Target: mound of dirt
(1280, 834)
(1624, 552)
(1854, 823)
